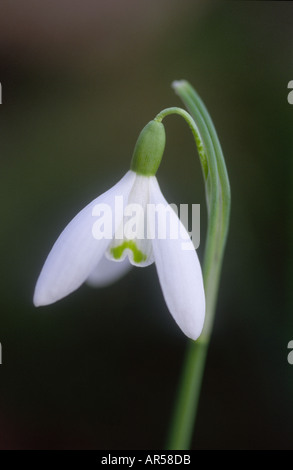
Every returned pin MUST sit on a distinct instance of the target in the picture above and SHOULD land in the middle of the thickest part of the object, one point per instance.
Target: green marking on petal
(138, 256)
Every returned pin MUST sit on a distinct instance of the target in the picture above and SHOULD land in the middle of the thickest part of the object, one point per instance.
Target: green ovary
(138, 256)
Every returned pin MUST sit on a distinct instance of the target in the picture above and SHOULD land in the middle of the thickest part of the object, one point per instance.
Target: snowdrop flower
(102, 241)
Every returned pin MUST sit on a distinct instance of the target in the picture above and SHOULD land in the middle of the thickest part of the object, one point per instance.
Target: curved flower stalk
(104, 239)
(218, 198)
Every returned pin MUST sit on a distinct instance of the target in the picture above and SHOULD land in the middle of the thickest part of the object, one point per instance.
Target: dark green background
(99, 369)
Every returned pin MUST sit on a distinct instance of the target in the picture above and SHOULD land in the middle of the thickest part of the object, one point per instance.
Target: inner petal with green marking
(138, 255)
(131, 238)
(139, 251)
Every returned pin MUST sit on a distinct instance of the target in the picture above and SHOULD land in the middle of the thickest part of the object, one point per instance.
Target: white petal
(76, 251)
(179, 273)
(107, 272)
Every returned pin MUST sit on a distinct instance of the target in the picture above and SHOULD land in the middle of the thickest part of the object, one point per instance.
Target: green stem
(188, 397)
(218, 204)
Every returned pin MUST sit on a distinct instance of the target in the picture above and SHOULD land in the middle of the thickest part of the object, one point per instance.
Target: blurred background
(100, 368)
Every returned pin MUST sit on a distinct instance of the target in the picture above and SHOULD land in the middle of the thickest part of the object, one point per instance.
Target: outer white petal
(108, 272)
(76, 252)
(180, 274)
